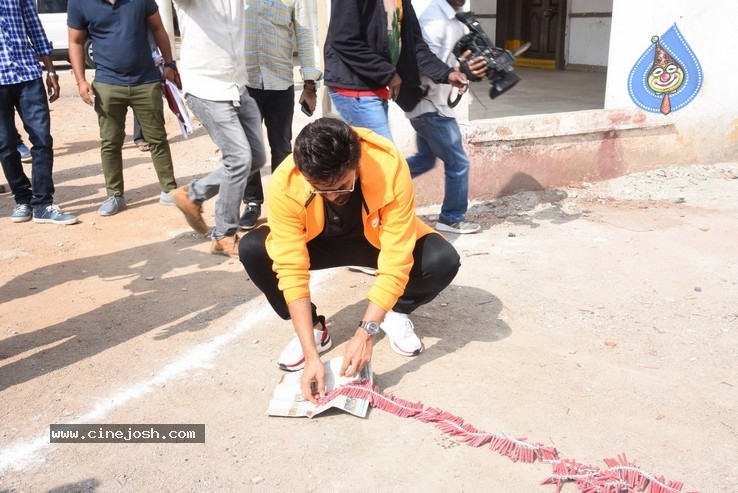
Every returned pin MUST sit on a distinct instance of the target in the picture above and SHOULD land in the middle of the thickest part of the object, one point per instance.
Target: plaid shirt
(22, 41)
(271, 28)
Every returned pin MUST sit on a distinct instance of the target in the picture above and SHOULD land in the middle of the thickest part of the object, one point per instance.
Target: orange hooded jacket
(388, 214)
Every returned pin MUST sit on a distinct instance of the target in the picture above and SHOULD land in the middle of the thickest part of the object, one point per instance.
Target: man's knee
(450, 261)
(252, 247)
(441, 257)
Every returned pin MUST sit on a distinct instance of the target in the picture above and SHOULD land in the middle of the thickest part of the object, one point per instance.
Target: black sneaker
(250, 216)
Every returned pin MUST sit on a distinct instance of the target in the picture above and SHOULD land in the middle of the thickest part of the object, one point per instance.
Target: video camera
(499, 62)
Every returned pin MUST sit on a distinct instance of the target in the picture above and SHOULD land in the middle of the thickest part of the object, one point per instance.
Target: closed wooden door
(541, 20)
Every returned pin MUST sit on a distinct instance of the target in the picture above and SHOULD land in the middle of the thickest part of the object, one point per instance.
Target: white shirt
(441, 30)
(212, 57)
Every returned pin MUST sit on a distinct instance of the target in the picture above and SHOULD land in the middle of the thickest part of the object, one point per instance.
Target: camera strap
(452, 104)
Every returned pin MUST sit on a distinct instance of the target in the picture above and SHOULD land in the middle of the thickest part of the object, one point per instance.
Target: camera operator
(438, 133)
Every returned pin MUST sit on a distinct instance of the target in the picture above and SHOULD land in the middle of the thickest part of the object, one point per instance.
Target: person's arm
(35, 30)
(309, 95)
(52, 79)
(312, 383)
(436, 36)
(397, 235)
(287, 247)
(77, 59)
(397, 238)
(304, 34)
(358, 351)
(156, 26)
(429, 63)
(41, 45)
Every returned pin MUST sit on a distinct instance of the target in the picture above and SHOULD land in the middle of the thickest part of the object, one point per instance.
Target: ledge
(555, 125)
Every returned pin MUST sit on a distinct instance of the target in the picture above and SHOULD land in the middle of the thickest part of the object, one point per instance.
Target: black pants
(436, 263)
(277, 109)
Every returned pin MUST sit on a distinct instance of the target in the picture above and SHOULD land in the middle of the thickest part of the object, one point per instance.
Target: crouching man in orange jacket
(345, 197)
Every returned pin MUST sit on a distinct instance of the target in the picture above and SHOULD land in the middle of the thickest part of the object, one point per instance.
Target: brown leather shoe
(192, 211)
(228, 245)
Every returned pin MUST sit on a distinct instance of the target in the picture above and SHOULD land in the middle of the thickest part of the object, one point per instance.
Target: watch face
(371, 327)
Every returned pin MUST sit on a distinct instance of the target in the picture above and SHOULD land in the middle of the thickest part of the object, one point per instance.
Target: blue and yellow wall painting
(667, 76)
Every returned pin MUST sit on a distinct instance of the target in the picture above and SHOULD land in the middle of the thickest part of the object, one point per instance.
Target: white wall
(590, 5)
(710, 120)
(588, 38)
(488, 7)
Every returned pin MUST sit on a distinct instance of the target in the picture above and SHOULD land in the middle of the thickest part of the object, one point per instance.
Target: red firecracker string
(621, 476)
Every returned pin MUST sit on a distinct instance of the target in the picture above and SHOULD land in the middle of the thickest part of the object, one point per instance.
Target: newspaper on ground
(288, 401)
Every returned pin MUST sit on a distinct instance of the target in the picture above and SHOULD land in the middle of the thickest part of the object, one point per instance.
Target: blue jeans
(439, 137)
(236, 130)
(365, 111)
(33, 107)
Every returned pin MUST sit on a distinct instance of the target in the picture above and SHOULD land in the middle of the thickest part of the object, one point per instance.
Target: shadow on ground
(458, 316)
(156, 275)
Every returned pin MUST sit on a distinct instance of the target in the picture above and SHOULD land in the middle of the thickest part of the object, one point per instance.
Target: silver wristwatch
(372, 328)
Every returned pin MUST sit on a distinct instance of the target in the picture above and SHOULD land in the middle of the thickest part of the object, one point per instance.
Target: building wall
(707, 127)
(486, 11)
(588, 33)
(632, 132)
(541, 151)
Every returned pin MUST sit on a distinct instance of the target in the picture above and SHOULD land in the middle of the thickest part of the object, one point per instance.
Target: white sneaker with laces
(401, 332)
(292, 357)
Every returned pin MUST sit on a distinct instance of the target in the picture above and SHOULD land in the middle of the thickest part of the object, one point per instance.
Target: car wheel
(88, 54)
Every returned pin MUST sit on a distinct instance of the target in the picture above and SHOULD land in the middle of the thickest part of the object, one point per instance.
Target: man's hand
(357, 353)
(310, 97)
(172, 75)
(312, 383)
(52, 85)
(394, 87)
(476, 68)
(458, 80)
(85, 92)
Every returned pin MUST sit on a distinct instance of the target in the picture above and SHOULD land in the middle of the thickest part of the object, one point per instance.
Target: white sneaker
(292, 357)
(401, 332)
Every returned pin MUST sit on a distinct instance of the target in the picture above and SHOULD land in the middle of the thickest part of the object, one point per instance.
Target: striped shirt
(272, 30)
(22, 41)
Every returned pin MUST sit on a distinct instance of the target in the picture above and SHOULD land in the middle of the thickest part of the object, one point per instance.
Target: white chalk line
(19, 455)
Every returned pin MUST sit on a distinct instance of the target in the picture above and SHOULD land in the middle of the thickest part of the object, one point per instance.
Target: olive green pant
(111, 105)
